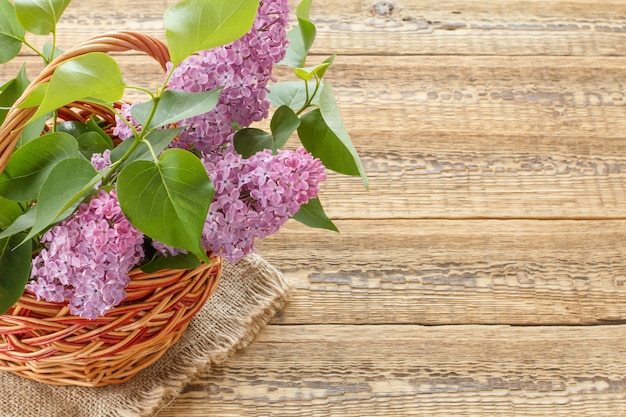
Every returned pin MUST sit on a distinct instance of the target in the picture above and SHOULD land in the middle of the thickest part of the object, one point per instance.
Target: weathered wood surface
(484, 272)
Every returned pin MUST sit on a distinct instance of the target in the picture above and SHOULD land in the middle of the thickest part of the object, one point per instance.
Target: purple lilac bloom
(166, 250)
(243, 68)
(122, 130)
(87, 257)
(254, 197)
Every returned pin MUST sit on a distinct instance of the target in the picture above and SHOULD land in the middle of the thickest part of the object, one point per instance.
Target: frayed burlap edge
(249, 295)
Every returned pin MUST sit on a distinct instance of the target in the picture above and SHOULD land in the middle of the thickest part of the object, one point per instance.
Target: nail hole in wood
(383, 8)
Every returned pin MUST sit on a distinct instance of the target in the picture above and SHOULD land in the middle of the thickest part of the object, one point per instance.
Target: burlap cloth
(250, 293)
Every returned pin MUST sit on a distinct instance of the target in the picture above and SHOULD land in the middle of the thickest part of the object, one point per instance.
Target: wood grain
(413, 27)
(434, 272)
(413, 370)
(483, 273)
(488, 138)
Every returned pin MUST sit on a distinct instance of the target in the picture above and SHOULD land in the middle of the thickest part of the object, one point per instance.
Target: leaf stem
(35, 50)
(139, 137)
(309, 98)
(142, 89)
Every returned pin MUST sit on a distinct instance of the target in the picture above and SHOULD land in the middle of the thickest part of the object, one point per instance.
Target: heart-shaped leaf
(251, 140)
(31, 164)
(312, 214)
(292, 94)
(11, 91)
(176, 105)
(15, 264)
(169, 200)
(301, 37)
(284, 122)
(11, 33)
(332, 118)
(40, 16)
(196, 25)
(323, 143)
(67, 184)
(93, 76)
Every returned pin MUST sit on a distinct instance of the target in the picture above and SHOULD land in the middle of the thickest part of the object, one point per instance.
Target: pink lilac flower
(122, 130)
(243, 68)
(86, 258)
(254, 197)
(166, 250)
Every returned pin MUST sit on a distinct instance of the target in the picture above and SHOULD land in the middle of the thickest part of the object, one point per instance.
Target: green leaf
(284, 123)
(310, 73)
(323, 143)
(169, 200)
(300, 38)
(22, 223)
(49, 53)
(11, 91)
(292, 94)
(72, 128)
(90, 136)
(93, 126)
(196, 25)
(33, 130)
(332, 118)
(36, 96)
(159, 140)
(31, 164)
(90, 143)
(11, 33)
(40, 16)
(9, 211)
(93, 76)
(251, 140)
(312, 214)
(181, 261)
(15, 264)
(317, 71)
(176, 105)
(60, 192)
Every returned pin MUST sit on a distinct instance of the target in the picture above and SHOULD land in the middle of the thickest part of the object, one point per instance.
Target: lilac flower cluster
(243, 68)
(87, 257)
(254, 197)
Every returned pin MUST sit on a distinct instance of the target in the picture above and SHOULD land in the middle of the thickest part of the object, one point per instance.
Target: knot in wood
(383, 8)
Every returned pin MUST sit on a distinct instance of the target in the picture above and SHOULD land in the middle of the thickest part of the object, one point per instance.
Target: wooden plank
(436, 272)
(413, 370)
(448, 27)
(474, 137)
(524, 96)
(453, 27)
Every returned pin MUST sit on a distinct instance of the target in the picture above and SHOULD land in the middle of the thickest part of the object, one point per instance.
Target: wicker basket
(41, 341)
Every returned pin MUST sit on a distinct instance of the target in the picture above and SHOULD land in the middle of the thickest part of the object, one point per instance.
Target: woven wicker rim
(111, 42)
(40, 340)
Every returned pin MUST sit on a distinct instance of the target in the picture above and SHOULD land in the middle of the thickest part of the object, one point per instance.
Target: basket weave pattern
(41, 340)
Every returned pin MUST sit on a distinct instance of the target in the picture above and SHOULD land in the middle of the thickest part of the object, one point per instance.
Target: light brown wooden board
(434, 272)
(493, 136)
(421, 371)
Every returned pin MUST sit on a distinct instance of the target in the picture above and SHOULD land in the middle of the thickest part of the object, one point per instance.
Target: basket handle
(110, 42)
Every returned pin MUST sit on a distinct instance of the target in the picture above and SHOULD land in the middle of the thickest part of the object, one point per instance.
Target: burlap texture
(249, 294)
